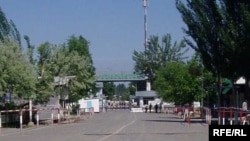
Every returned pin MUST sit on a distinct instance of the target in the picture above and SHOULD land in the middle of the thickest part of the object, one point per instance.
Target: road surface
(117, 125)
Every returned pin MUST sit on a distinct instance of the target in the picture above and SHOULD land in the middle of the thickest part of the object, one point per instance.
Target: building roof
(146, 94)
(62, 80)
(241, 80)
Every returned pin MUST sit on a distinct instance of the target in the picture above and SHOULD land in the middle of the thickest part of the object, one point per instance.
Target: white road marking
(119, 130)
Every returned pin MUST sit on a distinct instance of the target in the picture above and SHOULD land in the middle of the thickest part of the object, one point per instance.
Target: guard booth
(143, 97)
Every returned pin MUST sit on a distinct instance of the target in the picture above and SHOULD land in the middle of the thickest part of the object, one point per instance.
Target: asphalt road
(117, 125)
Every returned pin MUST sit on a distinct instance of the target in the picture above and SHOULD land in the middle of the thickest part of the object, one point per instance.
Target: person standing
(150, 107)
(146, 108)
(156, 108)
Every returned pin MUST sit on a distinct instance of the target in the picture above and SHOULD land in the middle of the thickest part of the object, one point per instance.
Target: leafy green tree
(8, 29)
(219, 31)
(203, 80)
(45, 85)
(17, 75)
(157, 55)
(81, 46)
(125, 95)
(183, 83)
(132, 87)
(174, 83)
(67, 63)
(122, 91)
(109, 90)
(30, 51)
(120, 88)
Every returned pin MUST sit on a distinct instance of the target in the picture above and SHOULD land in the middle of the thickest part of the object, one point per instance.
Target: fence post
(189, 117)
(58, 115)
(208, 116)
(37, 117)
(52, 117)
(223, 115)
(21, 118)
(231, 116)
(78, 115)
(241, 114)
(219, 114)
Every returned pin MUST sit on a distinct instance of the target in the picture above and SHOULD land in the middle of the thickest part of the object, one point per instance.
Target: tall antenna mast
(145, 6)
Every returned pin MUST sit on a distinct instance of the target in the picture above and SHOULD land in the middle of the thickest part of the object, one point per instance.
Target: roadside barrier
(207, 115)
(20, 113)
(87, 112)
(204, 115)
(52, 117)
(231, 114)
(55, 115)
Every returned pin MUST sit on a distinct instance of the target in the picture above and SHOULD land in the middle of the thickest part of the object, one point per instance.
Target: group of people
(157, 107)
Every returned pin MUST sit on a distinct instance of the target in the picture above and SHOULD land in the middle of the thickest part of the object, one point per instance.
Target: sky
(114, 28)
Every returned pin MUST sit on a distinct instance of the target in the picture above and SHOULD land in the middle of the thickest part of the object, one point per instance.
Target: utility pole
(145, 6)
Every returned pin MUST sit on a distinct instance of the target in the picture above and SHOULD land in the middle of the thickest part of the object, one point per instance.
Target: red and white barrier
(21, 111)
(11, 111)
(230, 115)
(38, 112)
(51, 117)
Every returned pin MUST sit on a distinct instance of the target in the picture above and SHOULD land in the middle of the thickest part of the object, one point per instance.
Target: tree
(204, 21)
(57, 61)
(45, 85)
(67, 63)
(81, 46)
(158, 54)
(183, 83)
(8, 29)
(120, 88)
(174, 83)
(203, 80)
(109, 90)
(30, 51)
(17, 76)
(219, 31)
